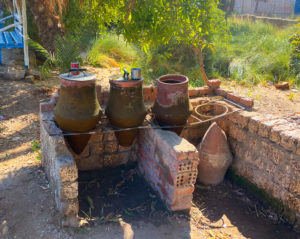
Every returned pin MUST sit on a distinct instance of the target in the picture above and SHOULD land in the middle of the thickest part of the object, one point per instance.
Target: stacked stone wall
(267, 153)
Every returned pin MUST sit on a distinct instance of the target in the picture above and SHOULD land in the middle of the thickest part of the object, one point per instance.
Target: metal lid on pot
(80, 75)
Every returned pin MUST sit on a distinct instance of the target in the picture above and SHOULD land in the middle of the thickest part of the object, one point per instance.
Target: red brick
(109, 136)
(214, 83)
(247, 102)
(181, 203)
(110, 147)
(205, 90)
(233, 97)
(147, 90)
(193, 92)
(184, 191)
(221, 92)
(46, 106)
(124, 149)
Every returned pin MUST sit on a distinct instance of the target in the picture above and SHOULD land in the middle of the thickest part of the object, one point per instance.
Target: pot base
(126, 137)
(178, 129)
(78, 142)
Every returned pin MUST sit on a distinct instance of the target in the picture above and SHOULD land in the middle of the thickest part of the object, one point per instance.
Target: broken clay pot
(215, 156)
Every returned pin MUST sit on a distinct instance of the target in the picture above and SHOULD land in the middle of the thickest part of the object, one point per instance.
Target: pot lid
(82, 76)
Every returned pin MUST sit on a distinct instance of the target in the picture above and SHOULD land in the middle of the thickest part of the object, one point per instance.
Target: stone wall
(60, 168)
(267, 153)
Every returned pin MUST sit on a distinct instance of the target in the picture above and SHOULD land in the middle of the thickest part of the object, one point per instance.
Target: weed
(35, 146)
(293, 96)
(7, 156)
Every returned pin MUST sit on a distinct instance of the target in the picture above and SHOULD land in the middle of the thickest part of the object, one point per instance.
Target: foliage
(295, 54)
(256, 52)
(37, 149)
(152, 23)
(112, 51)
(173, 58)
(79, 25)
(67, 51)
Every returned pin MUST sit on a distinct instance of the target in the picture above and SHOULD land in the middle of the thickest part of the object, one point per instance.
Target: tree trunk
(49, 25)
(198, 52)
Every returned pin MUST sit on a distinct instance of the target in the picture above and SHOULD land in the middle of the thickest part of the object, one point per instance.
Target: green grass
(112, 51)
(256, 52)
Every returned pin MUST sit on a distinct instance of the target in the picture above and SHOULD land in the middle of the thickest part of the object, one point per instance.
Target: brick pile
(169, 164)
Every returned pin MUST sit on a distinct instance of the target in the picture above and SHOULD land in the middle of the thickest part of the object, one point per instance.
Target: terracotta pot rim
(125, 84)
(213, 104)
(177, 77)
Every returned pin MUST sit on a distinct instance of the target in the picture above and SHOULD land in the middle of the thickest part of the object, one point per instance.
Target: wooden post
(25, 36)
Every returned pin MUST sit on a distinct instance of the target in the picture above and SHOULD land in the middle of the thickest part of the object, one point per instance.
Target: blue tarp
(297, 7)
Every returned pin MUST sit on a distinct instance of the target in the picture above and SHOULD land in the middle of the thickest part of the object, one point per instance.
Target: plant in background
(295, 54)
(66, 51)
(111, 50)
(194, 23)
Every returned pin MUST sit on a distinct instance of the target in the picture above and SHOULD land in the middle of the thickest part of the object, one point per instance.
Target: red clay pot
(172, 105)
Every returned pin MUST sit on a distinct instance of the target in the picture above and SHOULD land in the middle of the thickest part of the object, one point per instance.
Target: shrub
(112, 51)
(295, 55)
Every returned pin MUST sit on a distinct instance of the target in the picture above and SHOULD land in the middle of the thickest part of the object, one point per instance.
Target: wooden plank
(9, 40)
(2, 40)
(18, 40)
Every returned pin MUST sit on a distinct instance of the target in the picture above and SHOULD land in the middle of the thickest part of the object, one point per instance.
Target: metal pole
(25, 37)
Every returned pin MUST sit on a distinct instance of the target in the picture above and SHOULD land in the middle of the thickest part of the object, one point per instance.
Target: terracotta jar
(172, 105)
(215, 156)
(77, 109)
(125, 108)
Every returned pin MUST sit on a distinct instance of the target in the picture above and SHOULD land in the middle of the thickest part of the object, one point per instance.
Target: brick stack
(169, 164)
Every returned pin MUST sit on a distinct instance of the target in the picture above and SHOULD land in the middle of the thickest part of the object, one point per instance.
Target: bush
(112, 51)
(295, 55)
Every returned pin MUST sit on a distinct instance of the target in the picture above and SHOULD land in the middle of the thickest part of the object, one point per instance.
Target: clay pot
(125, 108)
(77, 109)
(215, 156)
(172, 105)
(210, 110)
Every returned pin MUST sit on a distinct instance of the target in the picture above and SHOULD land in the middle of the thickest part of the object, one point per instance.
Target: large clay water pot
(172, 105)
(77, 109)
(125, 108)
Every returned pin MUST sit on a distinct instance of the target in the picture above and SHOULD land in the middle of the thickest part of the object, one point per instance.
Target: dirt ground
(27, 206)
(269, 100)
